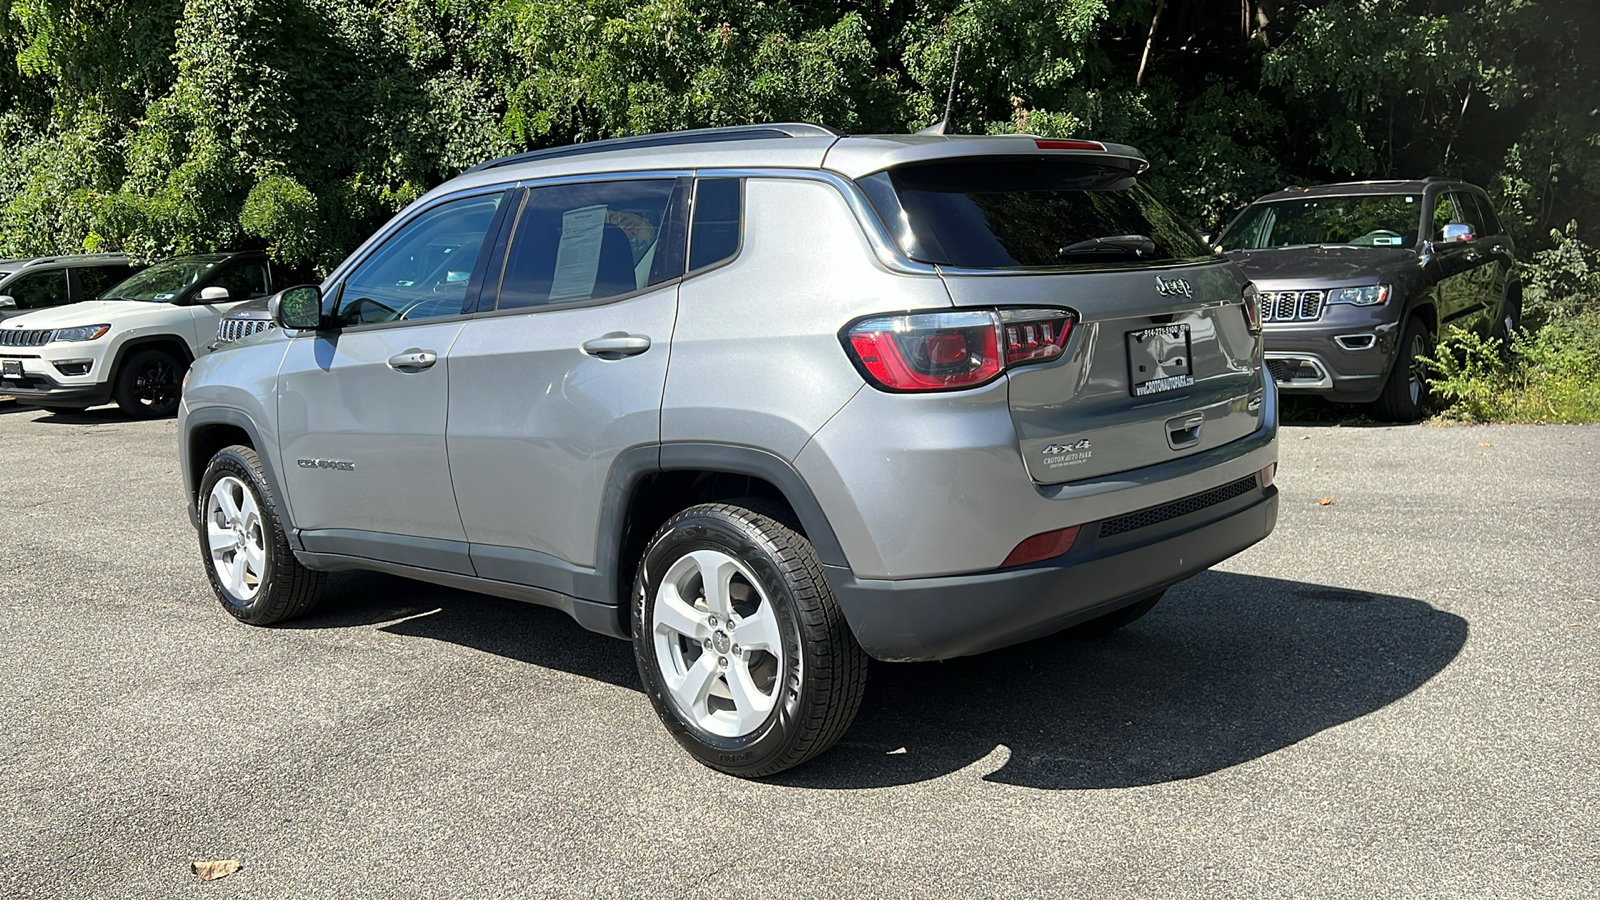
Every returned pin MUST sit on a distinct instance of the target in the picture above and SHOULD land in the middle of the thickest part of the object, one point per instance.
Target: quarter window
(424, 270)
(575, 243)
(718, 215)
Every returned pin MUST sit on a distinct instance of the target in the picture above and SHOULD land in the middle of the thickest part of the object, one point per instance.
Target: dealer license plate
(1158, 359)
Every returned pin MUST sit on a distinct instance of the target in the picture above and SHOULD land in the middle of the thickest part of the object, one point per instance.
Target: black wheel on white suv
(247, 556)
(149, 384)
(739, 641)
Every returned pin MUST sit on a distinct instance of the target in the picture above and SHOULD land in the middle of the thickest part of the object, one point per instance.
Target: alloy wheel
(718, 643)
(1419, 368)
(156, 384)
(236, 538)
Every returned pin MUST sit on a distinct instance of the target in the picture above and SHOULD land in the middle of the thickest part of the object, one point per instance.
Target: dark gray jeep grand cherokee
(1357, 280)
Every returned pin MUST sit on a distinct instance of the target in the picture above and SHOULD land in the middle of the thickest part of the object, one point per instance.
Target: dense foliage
(167, 126)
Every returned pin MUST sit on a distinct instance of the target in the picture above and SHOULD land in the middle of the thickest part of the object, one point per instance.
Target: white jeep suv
(134, 342)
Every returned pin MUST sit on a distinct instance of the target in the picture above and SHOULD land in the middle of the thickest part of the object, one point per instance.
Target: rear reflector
(951, 350)
(1054, 144)
(1048, 545)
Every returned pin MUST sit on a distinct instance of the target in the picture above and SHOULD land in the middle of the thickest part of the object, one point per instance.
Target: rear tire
(1111, 621)
(149, 384)
(758, 673)
(247, 556)
(1508, 319)
(1405, 393)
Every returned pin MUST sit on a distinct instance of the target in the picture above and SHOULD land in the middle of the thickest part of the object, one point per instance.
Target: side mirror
(213, 293)
(1458, 231)
(299, 308)
(8, 302)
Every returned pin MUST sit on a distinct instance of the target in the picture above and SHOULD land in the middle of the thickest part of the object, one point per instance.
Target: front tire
(1405, 393)
(247, 556)
(149, 384)
(739, 641)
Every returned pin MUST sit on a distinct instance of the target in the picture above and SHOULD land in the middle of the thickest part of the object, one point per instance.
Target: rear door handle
(413, 359)
(617, 346)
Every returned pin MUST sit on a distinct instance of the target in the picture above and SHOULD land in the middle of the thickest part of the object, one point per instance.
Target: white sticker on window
(578, 255)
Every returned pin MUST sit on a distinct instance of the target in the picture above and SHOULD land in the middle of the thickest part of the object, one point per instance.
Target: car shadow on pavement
(97, 416)
(1228, 668)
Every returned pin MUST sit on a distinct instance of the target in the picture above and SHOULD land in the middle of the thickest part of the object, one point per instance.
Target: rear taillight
(1252, 309)
(951, 350)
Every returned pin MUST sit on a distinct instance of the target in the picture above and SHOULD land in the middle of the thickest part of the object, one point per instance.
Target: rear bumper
(960, 615)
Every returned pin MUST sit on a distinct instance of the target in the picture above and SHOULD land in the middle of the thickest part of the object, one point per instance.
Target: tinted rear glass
(999, 213)
(1369, 220)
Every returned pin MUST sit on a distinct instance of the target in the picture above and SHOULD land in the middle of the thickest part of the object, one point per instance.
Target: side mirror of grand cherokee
(299, 307)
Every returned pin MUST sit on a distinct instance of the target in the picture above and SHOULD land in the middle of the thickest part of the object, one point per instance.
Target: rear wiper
(1137, 244)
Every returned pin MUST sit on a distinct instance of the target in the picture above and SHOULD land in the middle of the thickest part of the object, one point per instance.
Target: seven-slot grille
(25, 337)
(233, 329)
(1292, 306)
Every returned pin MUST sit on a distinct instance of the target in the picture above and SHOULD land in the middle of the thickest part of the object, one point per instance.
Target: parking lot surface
(1395, 695)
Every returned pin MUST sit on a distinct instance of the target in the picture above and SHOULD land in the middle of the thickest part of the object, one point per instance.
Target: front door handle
(617, 346)
(413, 359)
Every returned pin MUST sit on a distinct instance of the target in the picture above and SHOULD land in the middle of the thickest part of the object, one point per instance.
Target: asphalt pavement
(1394, 695)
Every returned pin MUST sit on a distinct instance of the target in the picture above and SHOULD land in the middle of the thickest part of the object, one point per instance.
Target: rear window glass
(1007, 214)
(714, 236)
(1368, 220)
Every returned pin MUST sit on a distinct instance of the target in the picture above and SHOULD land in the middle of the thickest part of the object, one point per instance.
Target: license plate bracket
(11, 368)
(1159, 359)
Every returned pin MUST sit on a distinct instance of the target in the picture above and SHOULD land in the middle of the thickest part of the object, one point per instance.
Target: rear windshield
(999, 213)
(1368, 220)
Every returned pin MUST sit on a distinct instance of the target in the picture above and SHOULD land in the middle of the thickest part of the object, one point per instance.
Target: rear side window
(575, 243)
(718, 221)
(37, 290)
(95, 279)
(1026, 213)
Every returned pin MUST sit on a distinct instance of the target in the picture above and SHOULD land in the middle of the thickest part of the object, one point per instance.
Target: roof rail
(668, 139)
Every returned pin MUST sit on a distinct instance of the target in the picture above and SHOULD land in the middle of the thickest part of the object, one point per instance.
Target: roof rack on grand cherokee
(670, 139)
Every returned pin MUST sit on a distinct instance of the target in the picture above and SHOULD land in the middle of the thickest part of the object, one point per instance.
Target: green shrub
(1551, 374)
(1562, 280)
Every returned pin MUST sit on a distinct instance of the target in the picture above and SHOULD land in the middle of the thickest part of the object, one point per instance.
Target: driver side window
(423, 270)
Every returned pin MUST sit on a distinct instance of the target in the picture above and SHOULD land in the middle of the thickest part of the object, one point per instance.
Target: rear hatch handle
(1184, 431)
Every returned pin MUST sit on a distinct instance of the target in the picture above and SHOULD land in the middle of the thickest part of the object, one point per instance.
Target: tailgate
(1161, 364)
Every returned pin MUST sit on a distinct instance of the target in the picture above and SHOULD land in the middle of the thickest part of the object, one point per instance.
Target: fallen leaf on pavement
(1324, 501)
(212, 869)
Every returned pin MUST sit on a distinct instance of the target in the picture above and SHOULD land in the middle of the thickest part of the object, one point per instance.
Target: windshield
(162, 282)
(1369, 220)
(1010, 213)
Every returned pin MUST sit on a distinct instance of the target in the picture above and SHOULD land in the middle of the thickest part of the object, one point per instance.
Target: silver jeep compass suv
(766, 400)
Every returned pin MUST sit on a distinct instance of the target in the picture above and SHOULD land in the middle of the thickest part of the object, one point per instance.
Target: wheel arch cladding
(210, 430)
(690, 474)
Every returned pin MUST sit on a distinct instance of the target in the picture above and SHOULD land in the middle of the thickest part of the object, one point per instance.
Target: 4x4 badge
(1171, 287)
(1056, 449)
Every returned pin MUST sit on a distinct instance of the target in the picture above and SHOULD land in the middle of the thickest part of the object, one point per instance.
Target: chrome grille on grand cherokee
(1292, 306)
(25, 337)
(229, 330)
